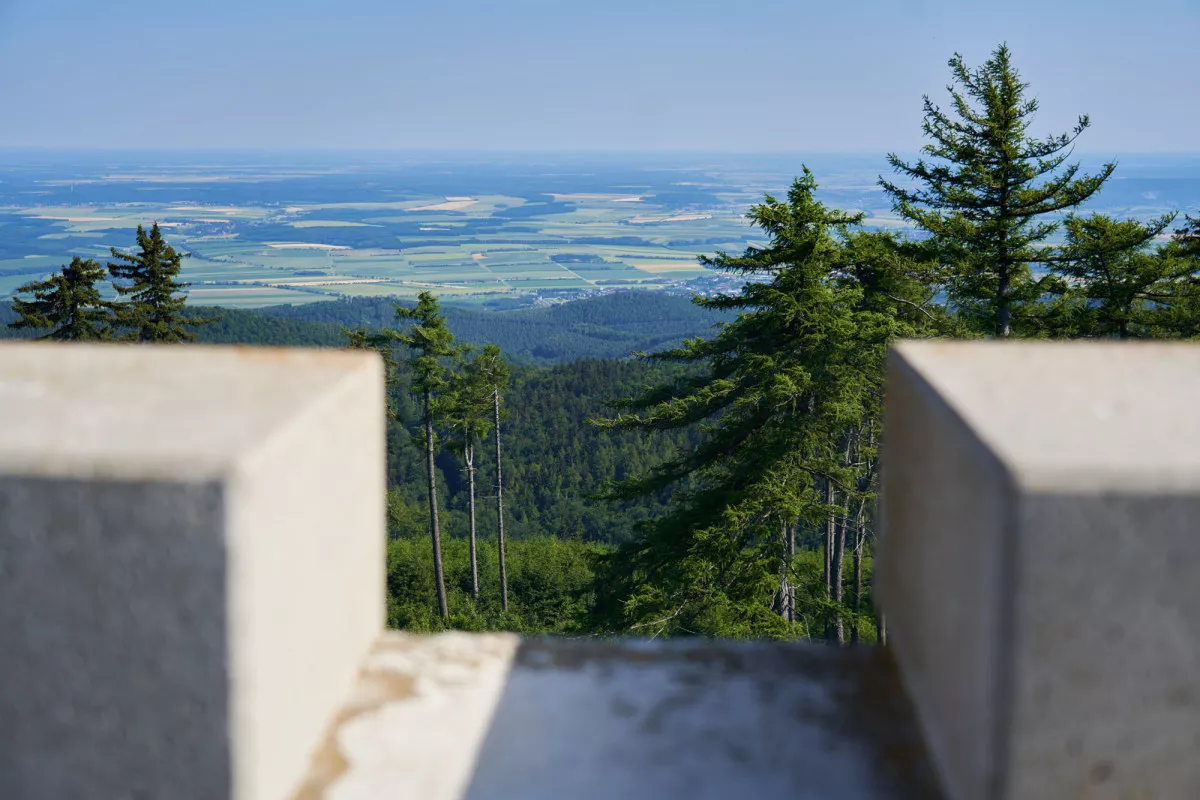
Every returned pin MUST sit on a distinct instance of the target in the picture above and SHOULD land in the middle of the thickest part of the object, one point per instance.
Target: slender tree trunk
(791, 552)
(1003, 266)
(838, 561)
(830, 497)
(881, 629)
(785, 562)
(500, 501)
(1004, 328)
(830, 527)
(469, 455)
(434, 528)
(858, 574)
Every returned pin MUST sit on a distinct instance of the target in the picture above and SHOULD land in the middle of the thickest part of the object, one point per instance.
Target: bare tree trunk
(830, 497)
(858, 567)
(791, 552)
(784, 566)
(826, 545)
(881, 629)
(434, 528)
(469, 457)
(838, 561)
(500, 501)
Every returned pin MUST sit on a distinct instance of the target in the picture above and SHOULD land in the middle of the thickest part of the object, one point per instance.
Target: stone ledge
(492, 716)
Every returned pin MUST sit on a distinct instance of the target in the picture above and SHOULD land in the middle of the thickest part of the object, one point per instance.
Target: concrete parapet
(1038, 561)
(191, 563)
(495, 717)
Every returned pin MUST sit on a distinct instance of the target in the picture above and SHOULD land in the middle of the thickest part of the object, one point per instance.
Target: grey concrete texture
(191, 550)
(495, 717)
(1039, 561)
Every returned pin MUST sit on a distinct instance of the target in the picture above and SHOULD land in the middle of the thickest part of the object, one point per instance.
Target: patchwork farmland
(267, 233)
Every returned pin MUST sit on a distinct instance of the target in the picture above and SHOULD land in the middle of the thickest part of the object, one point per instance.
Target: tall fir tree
(989, 193)
(1118, 283)
(779, 396)
(468, 415)
(494, 376)
(431, 346)
(1187, 238)
(68, 303)
(154, 308)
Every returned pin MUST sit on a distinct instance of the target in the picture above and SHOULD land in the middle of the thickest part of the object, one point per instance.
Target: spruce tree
(494, 375)
(154, 310)
(1187, 238)
(430, 345)
(468, 414)
(1119, 284)
(68, 303)
(779, 397)
(989, 193)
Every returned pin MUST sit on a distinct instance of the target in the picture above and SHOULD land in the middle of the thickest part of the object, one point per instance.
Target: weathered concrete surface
(1038, 564)
(190, 564)
(490, 716)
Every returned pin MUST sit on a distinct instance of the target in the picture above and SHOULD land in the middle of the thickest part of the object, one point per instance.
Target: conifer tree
(777, 395)
(494, 376)
(469, 415)
(1118, 284)
(989, 193)
(68, 303)
(431, 345)
(154, 310)
(1187, 238)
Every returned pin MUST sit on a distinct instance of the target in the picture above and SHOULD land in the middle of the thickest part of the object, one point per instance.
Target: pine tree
(1118, 284)
(154, 311)
(989, 193)
(431, 345)
(778, 396)
(68, 303)
(1187, 238)
(469, 416)
(494, 376)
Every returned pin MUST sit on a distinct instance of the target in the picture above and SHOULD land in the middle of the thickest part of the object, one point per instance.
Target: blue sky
(536, 75)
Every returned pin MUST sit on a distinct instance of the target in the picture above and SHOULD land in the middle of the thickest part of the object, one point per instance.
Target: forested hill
(609, 326)
(231, 326)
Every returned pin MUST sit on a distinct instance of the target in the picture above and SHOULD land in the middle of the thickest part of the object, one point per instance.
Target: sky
(577, 75)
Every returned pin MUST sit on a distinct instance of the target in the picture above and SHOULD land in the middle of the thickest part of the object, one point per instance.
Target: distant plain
(482, 229)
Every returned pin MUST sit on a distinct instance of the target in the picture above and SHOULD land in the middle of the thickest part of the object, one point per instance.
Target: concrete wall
(191, 556)
(192, 592)
(1038, 564)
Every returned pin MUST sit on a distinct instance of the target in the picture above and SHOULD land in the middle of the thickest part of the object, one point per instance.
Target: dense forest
(545, 474)
(608, 326)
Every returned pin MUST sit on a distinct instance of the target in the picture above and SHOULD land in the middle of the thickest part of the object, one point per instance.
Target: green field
(478, 231)
(459, 245)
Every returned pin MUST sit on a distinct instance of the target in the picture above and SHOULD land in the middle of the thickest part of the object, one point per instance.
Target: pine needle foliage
(777, 395)
(154, 308)
(989, 194)
(1118, 284)
(67, 303)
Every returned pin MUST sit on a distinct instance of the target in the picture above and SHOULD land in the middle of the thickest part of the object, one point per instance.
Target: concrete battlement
(191, 601)
(191, 556)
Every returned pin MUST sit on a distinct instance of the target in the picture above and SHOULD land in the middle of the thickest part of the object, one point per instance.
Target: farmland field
(268, 231)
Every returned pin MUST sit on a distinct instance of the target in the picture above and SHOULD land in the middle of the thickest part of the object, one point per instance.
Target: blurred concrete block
(1039, 563)
(191, 556)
